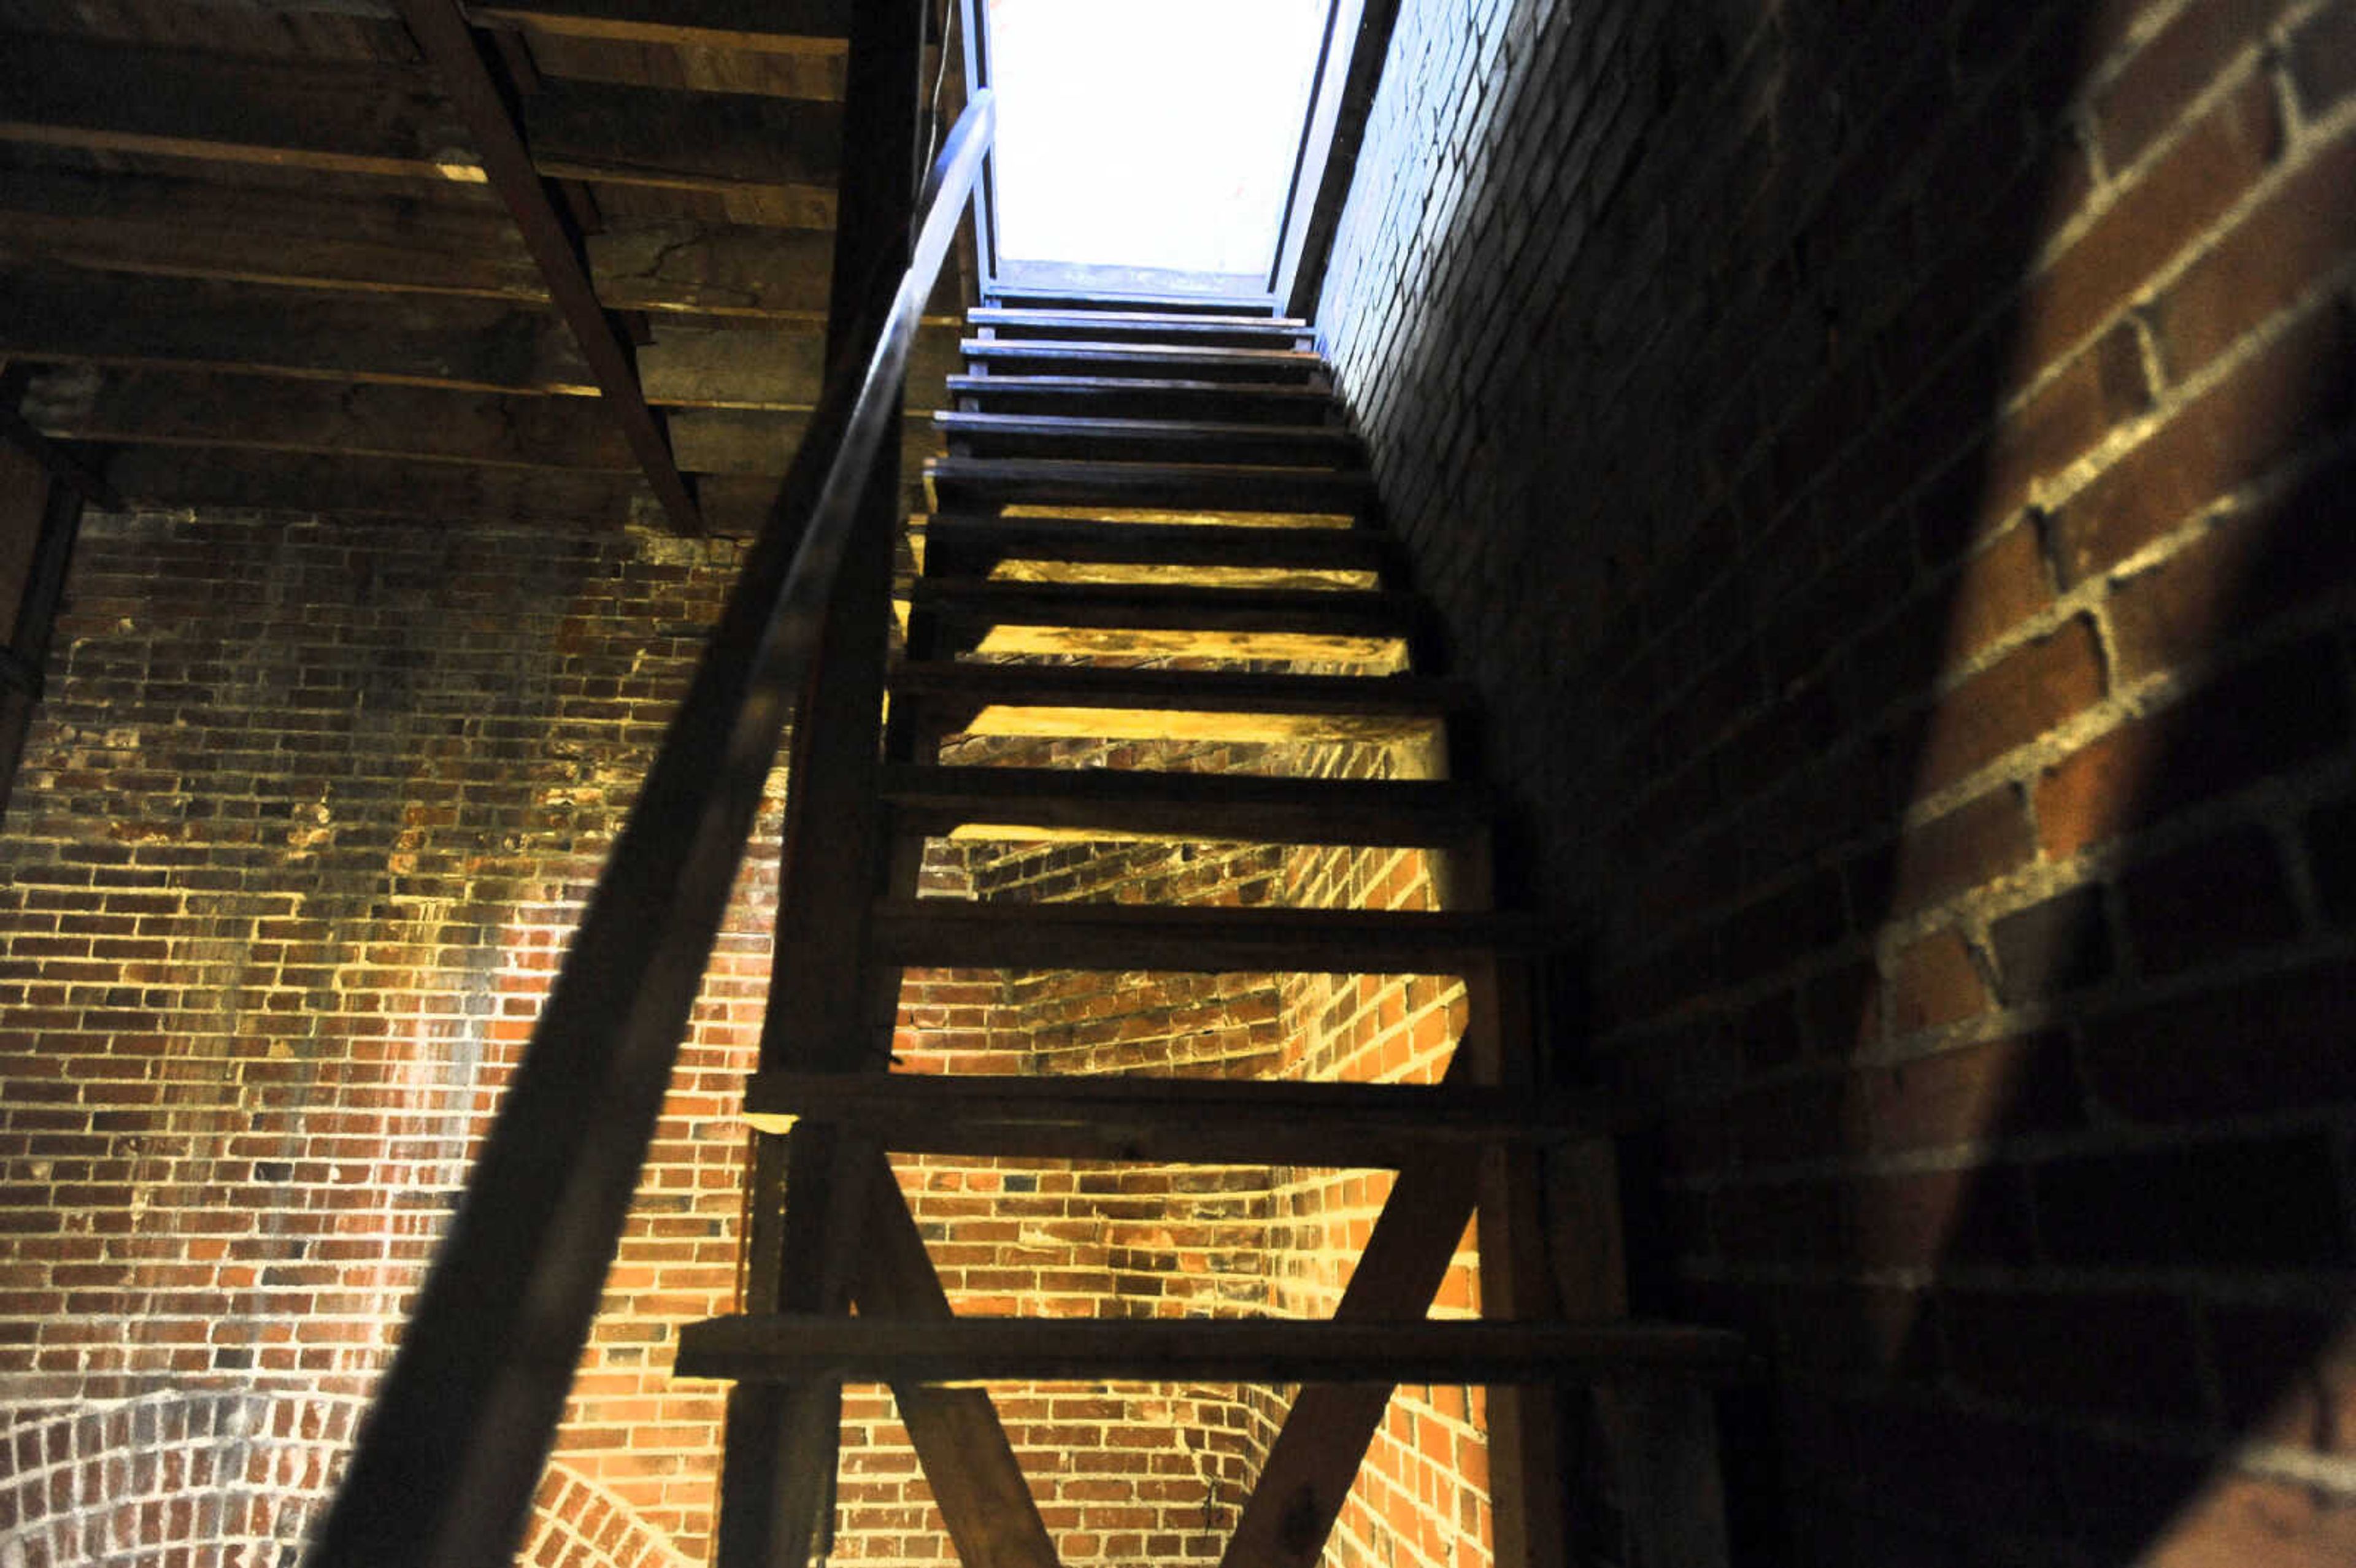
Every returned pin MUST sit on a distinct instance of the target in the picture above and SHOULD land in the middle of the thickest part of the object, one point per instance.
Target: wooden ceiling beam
(467, 74)
(767, 26)
(388, 120)
(78, 317)
(379, 487)
(382, 243)
(264, 414)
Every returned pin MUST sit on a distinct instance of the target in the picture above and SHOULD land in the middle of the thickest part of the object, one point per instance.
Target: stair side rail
(446, 1462)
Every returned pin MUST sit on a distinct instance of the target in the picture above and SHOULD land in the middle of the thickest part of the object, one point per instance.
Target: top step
(1140, 327)
(1161, 304)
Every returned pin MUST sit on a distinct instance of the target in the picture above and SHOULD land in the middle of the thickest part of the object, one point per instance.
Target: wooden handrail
(444, 1467)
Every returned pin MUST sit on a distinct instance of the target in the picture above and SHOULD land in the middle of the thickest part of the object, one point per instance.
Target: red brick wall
(306, 816)
(1890, 470)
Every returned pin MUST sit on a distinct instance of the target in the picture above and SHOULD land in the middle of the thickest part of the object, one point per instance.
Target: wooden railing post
(776, 1483)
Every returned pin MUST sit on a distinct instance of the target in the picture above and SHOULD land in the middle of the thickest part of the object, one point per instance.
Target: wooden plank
(483, 97)
(687, 141)
(203, 476)
(208, 228)
(753, 442)
(950, 934)
(973, 546)
(1050, 436)
(772, 1511)
(1195, 1350)
(269, 414)
(1311, 625)
(1157, 362)
(384, 243)
(971, 484)
(1146, 704)
(780, 367)
(1102, 802)
(1142, 397)
(193, 324)
(390, 119)
(1163, 1120)
(992, 1519)
(799, 26)
(1132, 323)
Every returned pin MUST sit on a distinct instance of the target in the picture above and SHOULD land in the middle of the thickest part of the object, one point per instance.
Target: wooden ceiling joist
(794, 26)
(264, 414)
(458, 59)
(394, 121)
(386, 487)
(79, 317)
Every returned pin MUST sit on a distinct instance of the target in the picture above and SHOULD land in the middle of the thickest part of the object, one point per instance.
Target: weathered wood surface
(419, 339)
(981, 483)
(1163, 1120)
(392, 120)
(272, 414)
(465, 73)
(1019, 699)
(758, 442)
(209, 476)
(449, 239)
(973, 546)
(1103, 803)
(819, 27)
(779, 366)
(455, 243)
(1188, 1349)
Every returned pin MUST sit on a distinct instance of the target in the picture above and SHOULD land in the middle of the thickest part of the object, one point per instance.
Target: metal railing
(446, 1463)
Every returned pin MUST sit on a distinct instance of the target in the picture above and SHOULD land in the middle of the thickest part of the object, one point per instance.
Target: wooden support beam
(40, 514)
(385, 120)
(1195, 1350)
(798, 26)
(780, 367)
(270, 414)
(213, 476)
(28, 437)
(824, 988)
(1323, 1439)
(1163, 1120)
(978, 1483)
(62, 316)
(468, 76)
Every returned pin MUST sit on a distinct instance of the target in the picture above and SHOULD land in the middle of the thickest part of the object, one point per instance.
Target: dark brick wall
(1889, 468)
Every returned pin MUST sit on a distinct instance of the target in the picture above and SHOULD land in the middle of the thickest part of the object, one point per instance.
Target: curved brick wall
(305, 820)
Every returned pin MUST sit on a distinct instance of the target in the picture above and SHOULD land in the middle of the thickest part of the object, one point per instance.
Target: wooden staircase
(1175, 485)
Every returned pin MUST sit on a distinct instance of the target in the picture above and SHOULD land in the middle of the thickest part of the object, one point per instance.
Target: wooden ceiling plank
(208, 477)
(388, 120)
(257, 413)
(779, 26)
(405, 340)
(450, 44)
(198, 229)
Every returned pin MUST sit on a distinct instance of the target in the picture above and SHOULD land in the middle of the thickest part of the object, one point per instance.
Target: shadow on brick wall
(1889, 473)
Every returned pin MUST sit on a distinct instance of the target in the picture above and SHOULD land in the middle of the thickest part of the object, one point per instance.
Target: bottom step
(1194, 1349)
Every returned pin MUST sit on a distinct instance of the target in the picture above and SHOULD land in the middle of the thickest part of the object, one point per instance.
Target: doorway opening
(1160, 150)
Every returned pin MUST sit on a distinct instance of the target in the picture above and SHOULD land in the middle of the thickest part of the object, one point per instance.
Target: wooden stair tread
(950, 934)
(1125, 386)
(1191, 324)
(1212, 691)
(1084, 427)
(1169, 1121)
(1076, 299)
(1186, 1350)
(1105, 802)
(958, 482)
(1059, 349)
(1367, 612)
(1316, 548)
